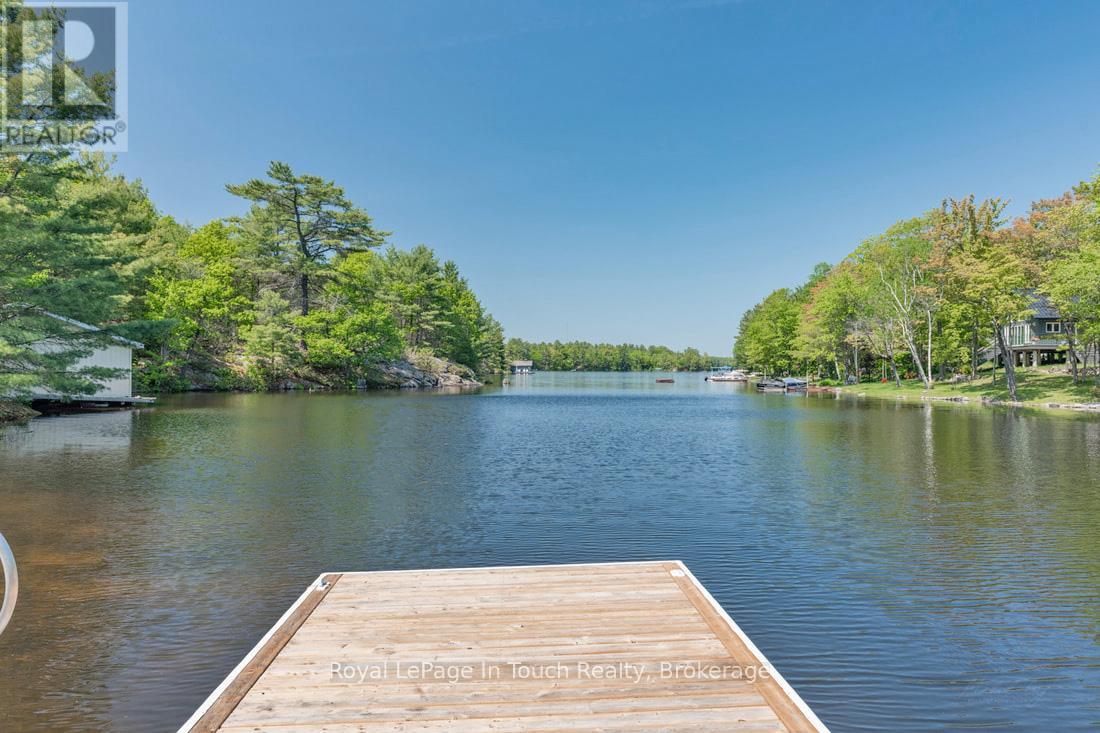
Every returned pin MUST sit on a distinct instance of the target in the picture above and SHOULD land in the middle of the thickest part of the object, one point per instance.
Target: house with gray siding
(1037, 340)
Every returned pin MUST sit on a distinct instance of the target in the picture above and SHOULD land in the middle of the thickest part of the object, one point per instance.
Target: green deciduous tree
(901, 287)
(827, 317)
(1071, 272)
(1073, 284)
(980, 268)
(204, 291)
(768, 334)
(346, 340)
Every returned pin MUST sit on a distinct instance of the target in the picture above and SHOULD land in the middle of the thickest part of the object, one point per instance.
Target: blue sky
(618, 171)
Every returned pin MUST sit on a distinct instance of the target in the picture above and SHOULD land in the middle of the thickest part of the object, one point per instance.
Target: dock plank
(615, 647)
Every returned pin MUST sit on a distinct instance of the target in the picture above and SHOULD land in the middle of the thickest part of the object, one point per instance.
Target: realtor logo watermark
(64, 67)
(624, 672)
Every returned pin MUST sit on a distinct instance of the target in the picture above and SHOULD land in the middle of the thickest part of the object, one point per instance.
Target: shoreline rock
(12, 412)
(414, 371)
(428, 373)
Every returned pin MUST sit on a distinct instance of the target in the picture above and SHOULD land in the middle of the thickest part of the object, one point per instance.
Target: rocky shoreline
(428, 373)
(16, 412)
(414, 371)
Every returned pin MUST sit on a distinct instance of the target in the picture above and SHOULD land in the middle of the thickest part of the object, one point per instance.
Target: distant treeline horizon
(557, 356)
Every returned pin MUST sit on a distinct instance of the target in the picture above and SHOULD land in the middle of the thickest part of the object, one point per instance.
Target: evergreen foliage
(294, 290)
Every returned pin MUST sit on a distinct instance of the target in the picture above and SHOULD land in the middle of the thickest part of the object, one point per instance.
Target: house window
(1054, 327)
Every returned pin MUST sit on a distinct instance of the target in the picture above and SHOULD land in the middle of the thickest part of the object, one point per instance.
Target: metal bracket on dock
(11, 583)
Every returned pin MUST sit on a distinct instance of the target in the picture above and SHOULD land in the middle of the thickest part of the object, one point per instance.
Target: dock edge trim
(353, 573)
(213, 697)
(772, 671)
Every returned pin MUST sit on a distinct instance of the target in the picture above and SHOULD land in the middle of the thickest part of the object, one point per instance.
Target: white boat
(732, 375)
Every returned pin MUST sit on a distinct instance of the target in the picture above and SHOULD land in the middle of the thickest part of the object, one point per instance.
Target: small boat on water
(665, 380)
(731, 375)
(783, 384)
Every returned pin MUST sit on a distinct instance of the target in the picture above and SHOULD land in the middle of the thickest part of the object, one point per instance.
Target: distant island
(570, 356)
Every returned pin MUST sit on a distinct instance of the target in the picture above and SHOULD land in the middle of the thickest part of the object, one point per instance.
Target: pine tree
(57, 256)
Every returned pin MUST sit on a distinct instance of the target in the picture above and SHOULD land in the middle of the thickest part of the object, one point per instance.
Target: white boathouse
(117, 354)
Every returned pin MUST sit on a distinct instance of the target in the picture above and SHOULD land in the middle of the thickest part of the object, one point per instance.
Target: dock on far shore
(609, 647)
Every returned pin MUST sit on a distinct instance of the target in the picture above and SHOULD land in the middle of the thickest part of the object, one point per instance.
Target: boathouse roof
(89, 327)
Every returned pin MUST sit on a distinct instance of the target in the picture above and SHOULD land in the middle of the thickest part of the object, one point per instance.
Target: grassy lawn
(1033, 386)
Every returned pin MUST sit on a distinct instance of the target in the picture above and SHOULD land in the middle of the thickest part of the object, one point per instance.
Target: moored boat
(782, 384)
(771, 385)
(665, 380)
(732, 375)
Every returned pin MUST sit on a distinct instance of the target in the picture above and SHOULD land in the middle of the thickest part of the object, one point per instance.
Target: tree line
(932, 295)
(303, 286)
(584, 356)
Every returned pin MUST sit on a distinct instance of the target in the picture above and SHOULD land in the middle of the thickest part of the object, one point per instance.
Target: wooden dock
(610, 647)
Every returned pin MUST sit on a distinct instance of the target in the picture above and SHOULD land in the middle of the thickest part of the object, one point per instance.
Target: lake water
(906, 566)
